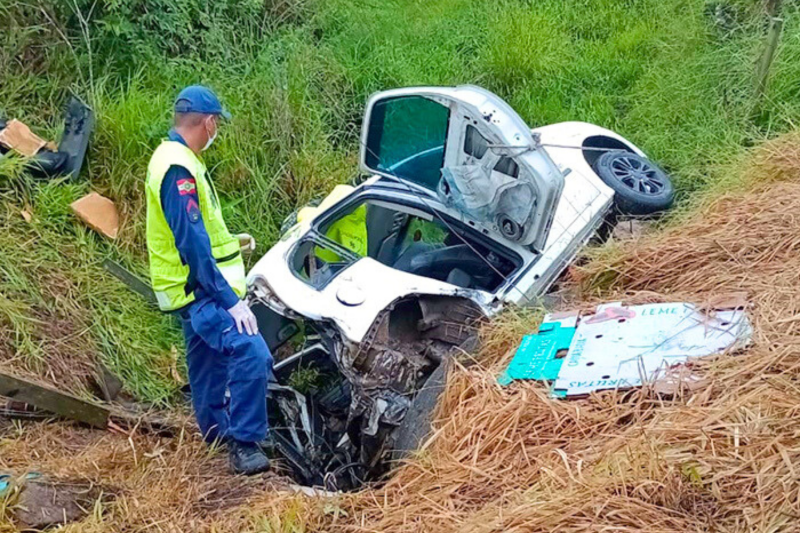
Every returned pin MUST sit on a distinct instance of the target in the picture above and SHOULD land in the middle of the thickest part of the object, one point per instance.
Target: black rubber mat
(78, 127)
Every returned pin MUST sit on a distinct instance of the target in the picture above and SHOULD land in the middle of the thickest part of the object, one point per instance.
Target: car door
(465, 147)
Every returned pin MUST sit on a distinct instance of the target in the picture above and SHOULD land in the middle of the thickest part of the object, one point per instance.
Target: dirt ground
(724, 457)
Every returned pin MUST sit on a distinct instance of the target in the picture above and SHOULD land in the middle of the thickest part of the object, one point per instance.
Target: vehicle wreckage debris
(17, 136)
(132, 281)
(393, 273)
(617, 346)
(45, 159)
(379, 394)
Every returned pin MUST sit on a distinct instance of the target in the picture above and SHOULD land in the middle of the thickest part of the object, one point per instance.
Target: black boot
(246, 458)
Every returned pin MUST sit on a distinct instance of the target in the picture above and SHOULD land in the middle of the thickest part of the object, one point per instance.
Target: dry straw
(725, 457)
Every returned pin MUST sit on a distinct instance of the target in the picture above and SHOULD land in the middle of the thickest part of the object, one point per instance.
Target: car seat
(386, 230)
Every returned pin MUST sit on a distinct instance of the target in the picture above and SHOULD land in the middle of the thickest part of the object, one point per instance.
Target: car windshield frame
(367, 194)
(334, 246)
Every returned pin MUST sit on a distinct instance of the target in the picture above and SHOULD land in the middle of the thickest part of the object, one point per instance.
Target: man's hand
(244, 318)
(246, 242)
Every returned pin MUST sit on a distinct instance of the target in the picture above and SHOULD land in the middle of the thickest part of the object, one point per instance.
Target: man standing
(197, 272)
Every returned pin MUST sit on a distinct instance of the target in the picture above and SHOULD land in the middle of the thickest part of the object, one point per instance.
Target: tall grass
(674, 76)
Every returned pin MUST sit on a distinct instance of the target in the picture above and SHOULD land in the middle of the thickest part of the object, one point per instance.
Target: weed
(673, 76)
(306, 379)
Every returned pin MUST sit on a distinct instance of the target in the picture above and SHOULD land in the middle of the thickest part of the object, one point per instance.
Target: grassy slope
(672, 75)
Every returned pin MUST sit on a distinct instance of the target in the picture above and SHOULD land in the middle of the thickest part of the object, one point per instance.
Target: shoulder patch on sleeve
(193, 210)
(187, 186)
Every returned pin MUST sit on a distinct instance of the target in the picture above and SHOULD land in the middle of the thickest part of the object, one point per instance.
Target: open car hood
(468, 148)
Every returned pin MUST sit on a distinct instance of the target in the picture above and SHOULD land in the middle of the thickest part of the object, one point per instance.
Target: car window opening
(407, 137)
(405, 239)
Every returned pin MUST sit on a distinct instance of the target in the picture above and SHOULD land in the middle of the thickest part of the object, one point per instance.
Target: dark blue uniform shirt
(182, 210)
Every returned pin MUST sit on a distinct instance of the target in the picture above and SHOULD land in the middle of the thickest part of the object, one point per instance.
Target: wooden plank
(52, 400)
(145, 422)
(765, 62)
(128, 278)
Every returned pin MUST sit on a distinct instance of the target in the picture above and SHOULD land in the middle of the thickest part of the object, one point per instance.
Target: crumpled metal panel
(386, 372)
(484, 194)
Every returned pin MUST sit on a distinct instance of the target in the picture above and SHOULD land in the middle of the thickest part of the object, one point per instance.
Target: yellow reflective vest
(168, 273)
(350, 231)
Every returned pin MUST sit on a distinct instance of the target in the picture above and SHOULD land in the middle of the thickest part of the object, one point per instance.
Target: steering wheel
(438, 263)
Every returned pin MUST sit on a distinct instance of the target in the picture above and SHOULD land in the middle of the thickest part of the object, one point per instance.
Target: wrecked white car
(466, 210)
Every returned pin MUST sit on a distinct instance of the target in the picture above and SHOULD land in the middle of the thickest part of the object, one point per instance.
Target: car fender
(574, 133)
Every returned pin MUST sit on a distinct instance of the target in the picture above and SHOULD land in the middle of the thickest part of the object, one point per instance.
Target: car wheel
(640, 186)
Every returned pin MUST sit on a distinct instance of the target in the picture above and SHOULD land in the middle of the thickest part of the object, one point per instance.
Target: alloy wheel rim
(637, 175)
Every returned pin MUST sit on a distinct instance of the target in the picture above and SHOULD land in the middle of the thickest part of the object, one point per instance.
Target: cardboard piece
(99, 213)
(19, 137)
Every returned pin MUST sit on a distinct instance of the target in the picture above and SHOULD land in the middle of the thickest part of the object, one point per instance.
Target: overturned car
(466, 210)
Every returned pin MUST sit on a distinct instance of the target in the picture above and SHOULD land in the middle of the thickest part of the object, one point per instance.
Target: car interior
(407, 239)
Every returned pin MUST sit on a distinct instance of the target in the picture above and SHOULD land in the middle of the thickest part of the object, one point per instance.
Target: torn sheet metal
(619, 346)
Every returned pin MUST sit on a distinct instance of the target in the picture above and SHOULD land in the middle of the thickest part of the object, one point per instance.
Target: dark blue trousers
(220, 357)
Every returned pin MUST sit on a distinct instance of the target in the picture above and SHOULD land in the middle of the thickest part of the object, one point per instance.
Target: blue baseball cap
(199, 99)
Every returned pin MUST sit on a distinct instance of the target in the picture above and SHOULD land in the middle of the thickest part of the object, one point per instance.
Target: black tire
(640, 186)
(416, 425)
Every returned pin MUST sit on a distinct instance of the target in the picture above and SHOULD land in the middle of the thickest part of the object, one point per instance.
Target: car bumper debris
(369, 403)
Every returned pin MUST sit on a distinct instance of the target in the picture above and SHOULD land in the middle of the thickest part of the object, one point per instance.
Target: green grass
(674, 76)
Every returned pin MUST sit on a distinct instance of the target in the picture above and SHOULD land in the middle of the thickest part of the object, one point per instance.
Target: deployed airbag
(490, 196)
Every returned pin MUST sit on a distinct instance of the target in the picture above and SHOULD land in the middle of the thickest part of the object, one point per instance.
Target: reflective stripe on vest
(168, 273)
